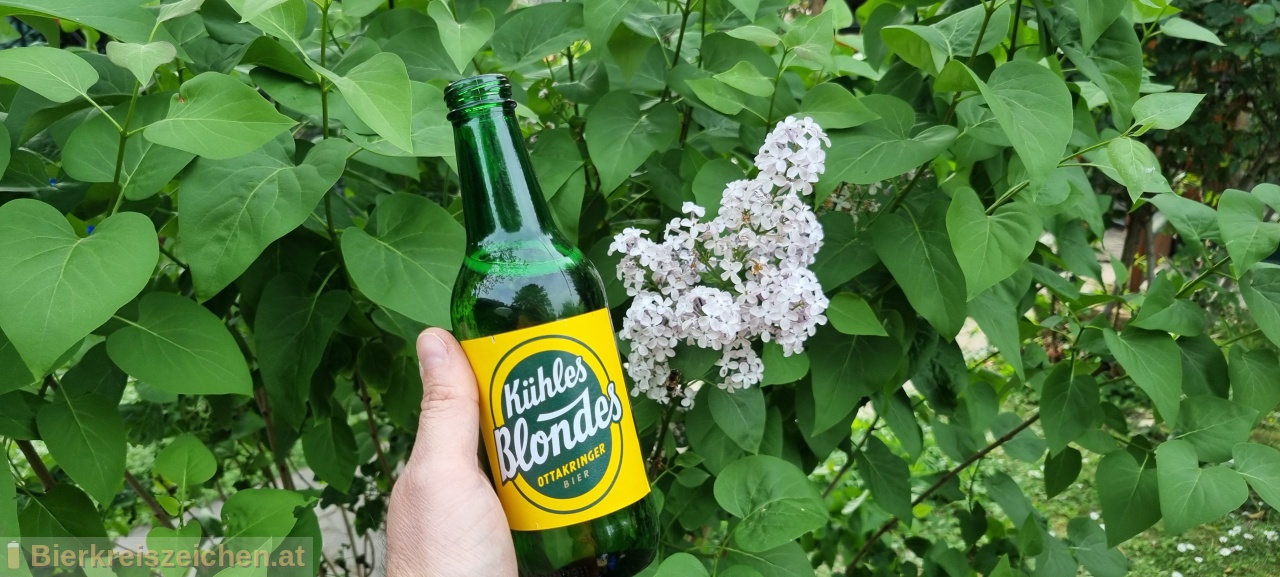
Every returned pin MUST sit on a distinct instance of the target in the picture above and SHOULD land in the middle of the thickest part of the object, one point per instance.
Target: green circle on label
(568, 418)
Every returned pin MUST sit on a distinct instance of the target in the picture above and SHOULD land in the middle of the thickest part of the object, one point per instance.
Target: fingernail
(432, 351)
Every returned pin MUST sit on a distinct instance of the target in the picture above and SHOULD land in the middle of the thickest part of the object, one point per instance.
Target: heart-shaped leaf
(1130, 496)
(90, 152)
(1146, 355)
(915, 248)
(409, 259)
(989, 248)
(1249, 237)
(851, 315)
(379, 92)
(1069, 406)
(620, 136)
(883, 148)
(1262, 293)
(186, 461)
(1213, 426)
(330, 448)
(740, 414)
(219, 117)
(832, 106)
(1033, 106)
(179, 346)
(776, 502)
(1260, 467)
(232, 209)
(85, 435)
(1255, 383)
(141, 59)
(461, 39)
(1163, 311)
(57, 286)
(1191, 495)
(58, 75)
(293, 327)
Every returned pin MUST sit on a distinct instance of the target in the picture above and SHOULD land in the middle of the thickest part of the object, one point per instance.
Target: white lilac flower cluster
(742, 275)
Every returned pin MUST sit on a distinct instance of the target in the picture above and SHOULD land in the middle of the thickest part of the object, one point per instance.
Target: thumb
(448, 428)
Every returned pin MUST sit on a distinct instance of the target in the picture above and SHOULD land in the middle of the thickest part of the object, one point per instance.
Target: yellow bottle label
(557, 423)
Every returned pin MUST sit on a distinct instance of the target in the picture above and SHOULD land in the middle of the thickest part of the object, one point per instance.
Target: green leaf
(1255, 383)
(916, 250)
(5, 155)
(1147, 356)
(780, 369)
(58, 75)
(1179, 28)
(1129, 494)
(284, 19)
(56, 286)
(901, 418)
(178, 9)
(681, 565)
(718, 96)
(1163, 311)
(930, 47)
(379, 92)
(710, 182)
(745, 77)
(1193, 219)
(432, 133)
(1213, 426)
(740, 414)
(1262, 13)
(1268, 193)
(1033, 106)
(1190, 495)
(124, 20)
(1068, 406)
(759, 35)
(262, 513)
(293, 327)
(90, 152)
(533, 33)
(233, 209)
(1095, 17)
(1262, 294)
(409, 259)
(462, 40)
(832, 106)
(1247, 234)
(620, 136)
(886, 147)
(253, 8)
(996, 312)
(180, 347)
(186, 461)
(1114, 64)
(63, 512)
(1204, 367)
(844, 254)
(330, 448)
(748, 8)
(1260, 467)
(846, 369)
(707, 439)
(813, 40)
(141, 59)
(776, 502)
(85, 435)
(602, 18)
(1134, 162)
(1061, 471)
(15, 375)
(218, 117)
(990, 248)
(788, 560)
(851, 315)
(1092, 551)
(1165, 111)
(887, 476)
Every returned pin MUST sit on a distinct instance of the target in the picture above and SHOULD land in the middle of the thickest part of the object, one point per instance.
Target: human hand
(445, 519)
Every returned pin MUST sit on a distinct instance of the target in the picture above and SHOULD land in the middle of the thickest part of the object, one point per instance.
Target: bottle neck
(501, 199)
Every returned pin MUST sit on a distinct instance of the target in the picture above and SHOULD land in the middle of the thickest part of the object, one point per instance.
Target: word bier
(572, 466)
(571, 425)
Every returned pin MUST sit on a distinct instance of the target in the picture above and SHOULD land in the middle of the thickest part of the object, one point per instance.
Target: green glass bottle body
(520, 272)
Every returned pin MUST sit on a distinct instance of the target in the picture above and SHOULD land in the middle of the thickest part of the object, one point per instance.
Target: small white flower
(1199, 559)
(1224, 551)
(1093, 515)
(1248, 536)
(1175, 574)
(1222, 539)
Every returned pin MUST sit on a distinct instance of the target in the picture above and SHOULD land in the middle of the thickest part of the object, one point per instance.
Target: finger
(448, 428)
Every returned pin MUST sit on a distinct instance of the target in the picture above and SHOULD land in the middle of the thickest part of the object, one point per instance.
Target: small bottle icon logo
(15, 555)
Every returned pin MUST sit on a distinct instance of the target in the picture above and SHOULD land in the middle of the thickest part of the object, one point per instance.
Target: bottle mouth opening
(486, 91)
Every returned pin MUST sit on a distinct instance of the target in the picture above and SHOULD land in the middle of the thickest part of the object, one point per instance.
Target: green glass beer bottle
(530, 311)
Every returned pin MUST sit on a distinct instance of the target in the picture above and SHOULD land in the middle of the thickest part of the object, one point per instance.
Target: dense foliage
(223, 222)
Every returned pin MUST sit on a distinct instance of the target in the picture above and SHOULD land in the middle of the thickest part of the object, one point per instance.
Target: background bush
(223, 222)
